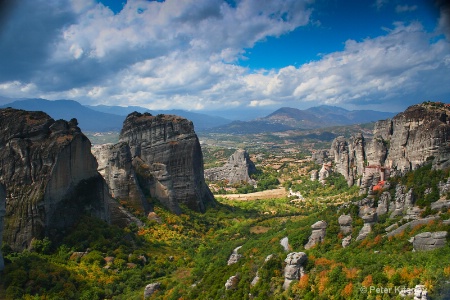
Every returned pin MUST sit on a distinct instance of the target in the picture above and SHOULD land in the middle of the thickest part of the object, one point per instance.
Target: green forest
(187, 254)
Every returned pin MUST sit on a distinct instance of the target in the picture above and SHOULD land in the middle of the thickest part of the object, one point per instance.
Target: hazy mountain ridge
(104, 118)
(288, 118)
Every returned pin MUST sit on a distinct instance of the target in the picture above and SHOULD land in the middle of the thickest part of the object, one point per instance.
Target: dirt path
(275, 193)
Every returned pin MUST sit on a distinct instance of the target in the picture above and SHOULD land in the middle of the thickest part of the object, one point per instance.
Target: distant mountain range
(102, 118)
(287, 118)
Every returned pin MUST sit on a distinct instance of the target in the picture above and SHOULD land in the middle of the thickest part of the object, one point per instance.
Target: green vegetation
(188, 253)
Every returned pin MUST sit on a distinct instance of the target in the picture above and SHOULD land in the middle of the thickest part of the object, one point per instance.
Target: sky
(210, 55)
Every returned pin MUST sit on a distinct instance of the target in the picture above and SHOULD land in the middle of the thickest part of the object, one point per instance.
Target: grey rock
(345, 223)
(115, 164)
(167, 157)
(429, 240)
(444, 188)
(411, 224)
(150, 289)
(294, 267)
(235, 256)
(440, 204)
(383, 203)
(317, 234)
(2, 214)
(238, 169)
(320, 156)
(364, 232)
(284, 242)
(409, 140)
(232, 282)
(50, 177)
(324, 172)
(346, 241)
(314, 175)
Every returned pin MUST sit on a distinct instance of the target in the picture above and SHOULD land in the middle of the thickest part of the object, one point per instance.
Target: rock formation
(50, 177)
(235, 256)
(412, 138)
(429, 240)
(369, 220)
(238, 169)
(150, 289)
(232, 282)
(345, 224)
(159, 157)
(2, 214)
(115, 164)
(294, 269)
(317, 234)
(284, 242)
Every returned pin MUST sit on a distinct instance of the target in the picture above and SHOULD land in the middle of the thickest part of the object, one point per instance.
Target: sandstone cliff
(238, 169)
(50, 177)
(412, 138)
(159, 156)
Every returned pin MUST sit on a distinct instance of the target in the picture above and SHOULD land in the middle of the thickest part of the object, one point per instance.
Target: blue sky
(216, 55)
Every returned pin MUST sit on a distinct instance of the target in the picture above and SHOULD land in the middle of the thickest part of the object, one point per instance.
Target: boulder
(345, 223)
(284, 242)
(236, 170)
(429, 240)
(232, 282)
(294, 269)
(317, 234)
(346, 241)
(150, 289)
(235, 256)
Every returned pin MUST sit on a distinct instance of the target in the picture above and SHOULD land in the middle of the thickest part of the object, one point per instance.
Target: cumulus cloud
(184, 54)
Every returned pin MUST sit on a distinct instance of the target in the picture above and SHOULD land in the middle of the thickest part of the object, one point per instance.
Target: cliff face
(115, 164)
(49, 174)
(236, 170)
(166, 158)
(419, 134)
(2, 214)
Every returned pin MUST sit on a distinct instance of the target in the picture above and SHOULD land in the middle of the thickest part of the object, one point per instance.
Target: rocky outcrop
(167, 160)
(238, 169)
(429, 240)
(345, 224)
(349, 156)
(150, 289)
(232, 282)
(320, 156)
(412, 138)
(2, 214)
(346, 241)
(393, 230)
(294, 269)
(235, 256)
(317, 234)
(115, 164)
(50, 177)
(369, 220)
(284, 242)
(404, 200)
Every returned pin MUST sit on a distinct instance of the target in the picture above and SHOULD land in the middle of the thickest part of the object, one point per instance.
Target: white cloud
(183, 54)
